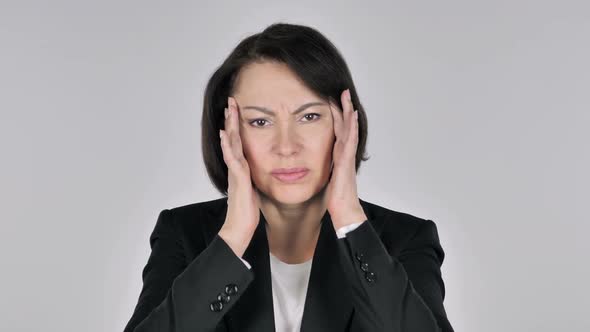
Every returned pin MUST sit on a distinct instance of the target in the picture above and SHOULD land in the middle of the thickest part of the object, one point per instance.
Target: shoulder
(388, 218)
(197, 221)
(205, 208)
(400, 230)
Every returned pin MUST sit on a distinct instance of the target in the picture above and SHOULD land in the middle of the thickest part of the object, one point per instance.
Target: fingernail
(220, 134)
(356, 114)
(348, 94)
(225, 112)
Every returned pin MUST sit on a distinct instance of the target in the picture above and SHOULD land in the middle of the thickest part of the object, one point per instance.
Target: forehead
(270, 82)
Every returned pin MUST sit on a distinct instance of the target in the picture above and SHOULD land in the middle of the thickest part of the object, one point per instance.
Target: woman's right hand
(243, 200)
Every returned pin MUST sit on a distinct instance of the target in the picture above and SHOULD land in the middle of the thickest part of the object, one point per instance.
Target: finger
(351, 123)
(338, 121)
(227, 141)
(233, 121)
(354, 134)
(228, 157)
(346, 112)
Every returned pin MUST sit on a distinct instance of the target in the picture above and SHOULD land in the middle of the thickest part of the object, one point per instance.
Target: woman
(292, 247)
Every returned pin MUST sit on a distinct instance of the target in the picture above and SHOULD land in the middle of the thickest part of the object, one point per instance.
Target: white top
(289, 288)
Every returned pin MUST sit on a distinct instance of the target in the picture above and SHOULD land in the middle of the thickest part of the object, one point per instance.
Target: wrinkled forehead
(272, 85)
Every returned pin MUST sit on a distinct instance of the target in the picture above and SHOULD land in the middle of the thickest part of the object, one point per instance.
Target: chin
(292, 195)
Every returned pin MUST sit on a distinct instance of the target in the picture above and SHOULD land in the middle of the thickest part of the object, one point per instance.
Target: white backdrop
(478, 120)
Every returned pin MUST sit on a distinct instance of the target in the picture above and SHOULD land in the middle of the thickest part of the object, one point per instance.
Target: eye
(306, 116)
(256, 121)
(260, 122)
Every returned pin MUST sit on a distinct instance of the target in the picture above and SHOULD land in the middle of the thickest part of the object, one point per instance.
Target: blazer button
(222, 297)
(370, 276)
(364, 266)
(359, 256)
(231, 289)
(216, 306)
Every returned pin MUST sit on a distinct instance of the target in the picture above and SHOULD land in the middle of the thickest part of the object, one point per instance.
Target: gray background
(478, 118)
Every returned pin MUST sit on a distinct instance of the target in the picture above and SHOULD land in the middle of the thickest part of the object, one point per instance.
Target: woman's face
(280, 138)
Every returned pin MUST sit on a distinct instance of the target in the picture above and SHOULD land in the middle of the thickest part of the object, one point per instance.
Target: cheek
(321, 148)
(253, 149)
(326, 139)
(257, 151)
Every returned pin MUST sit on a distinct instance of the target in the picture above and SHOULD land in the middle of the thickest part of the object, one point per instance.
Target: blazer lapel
(328, 304)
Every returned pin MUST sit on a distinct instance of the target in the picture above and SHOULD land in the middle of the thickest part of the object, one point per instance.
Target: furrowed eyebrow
(297, 111)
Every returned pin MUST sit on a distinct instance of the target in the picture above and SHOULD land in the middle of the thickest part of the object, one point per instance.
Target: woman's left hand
(341, 193)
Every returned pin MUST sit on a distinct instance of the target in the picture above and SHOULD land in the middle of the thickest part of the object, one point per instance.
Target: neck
(293, 230)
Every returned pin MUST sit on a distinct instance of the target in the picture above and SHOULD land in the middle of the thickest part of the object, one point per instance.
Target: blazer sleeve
(403, 293)
(179, 297)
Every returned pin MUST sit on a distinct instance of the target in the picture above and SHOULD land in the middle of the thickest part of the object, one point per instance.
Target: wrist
(235, 240)
(345, 219)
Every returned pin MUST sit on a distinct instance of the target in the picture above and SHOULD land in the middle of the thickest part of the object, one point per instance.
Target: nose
(287, 141)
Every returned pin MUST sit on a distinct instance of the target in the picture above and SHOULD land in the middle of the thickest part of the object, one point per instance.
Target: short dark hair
(308, 53)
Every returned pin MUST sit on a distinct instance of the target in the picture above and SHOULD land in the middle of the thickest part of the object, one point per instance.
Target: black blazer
(384, 276)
